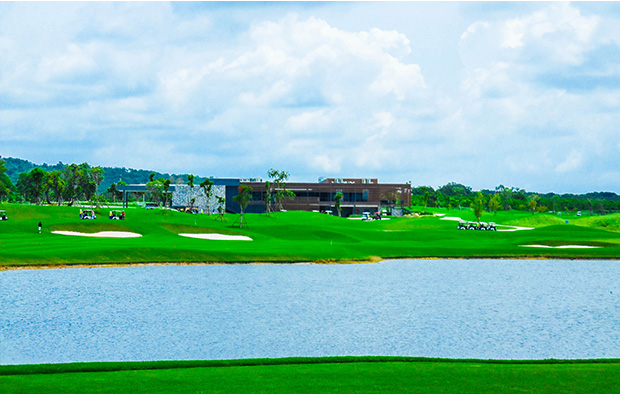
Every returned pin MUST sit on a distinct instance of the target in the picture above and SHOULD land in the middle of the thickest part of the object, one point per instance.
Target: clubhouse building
(359, 195)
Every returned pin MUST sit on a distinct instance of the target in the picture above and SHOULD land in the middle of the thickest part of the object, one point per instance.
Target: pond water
(505, 309)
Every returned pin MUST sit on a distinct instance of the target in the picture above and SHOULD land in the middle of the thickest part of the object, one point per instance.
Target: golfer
(40, 225)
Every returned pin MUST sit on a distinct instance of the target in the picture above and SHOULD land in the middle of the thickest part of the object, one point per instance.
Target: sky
(521, 94)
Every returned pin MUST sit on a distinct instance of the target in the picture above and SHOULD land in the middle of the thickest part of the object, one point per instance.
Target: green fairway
(317, 375)
(292, 236)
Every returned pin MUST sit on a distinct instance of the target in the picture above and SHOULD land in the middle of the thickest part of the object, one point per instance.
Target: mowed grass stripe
(389, 376)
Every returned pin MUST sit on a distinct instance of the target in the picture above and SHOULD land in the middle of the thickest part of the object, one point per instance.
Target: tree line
(64, 184)
(454, 195)
(74, 182)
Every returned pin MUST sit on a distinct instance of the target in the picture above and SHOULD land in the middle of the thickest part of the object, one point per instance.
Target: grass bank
(291, 237)
(317, 375)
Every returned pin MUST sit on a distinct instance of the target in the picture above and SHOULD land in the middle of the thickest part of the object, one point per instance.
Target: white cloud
(327, 164)
(341, 90)
(513, 34)
(573, 162)
(75, 62)
(316, 122)
(557, 33)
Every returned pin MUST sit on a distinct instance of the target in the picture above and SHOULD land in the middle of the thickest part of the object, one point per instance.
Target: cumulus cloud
(530, 90)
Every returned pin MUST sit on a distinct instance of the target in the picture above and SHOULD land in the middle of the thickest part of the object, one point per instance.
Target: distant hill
(110, 174)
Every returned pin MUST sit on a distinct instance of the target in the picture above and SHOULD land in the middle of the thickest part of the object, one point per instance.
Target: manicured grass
(290, 237)
(317, 375)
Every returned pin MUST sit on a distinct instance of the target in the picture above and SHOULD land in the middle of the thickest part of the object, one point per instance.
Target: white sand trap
(214, 236)
(98, 234)
(451, 219)
(565, 246)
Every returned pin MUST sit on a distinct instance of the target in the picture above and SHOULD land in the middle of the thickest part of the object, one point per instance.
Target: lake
(500, 309)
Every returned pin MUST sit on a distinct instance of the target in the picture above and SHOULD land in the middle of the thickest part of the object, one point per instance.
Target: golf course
(150, 237)
(167, 236)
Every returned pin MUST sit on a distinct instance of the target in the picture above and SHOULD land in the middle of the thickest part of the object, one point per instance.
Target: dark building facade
(359, 195)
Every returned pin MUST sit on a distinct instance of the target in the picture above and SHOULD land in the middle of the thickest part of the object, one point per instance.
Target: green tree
(221, 207)
(38, 179)
(243, 198)
(426, 195)
(71, 175)
(506, 196)
(338, 201)
(533, 202)
(6, 186)
(96, 176)
(495, 203)
(278, 190)
(30, 184)
(166, 184)
(477, 205)
(114, 192)
(207, 188)
(155, 190)
(268, 197)
(554, 201)
(87, 187)
(54, 184)
(190, 183)
(25, 186)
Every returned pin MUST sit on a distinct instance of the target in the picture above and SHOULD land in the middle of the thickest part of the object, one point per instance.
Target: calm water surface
(437, 308)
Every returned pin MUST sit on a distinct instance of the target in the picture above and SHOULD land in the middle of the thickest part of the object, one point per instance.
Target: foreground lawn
(318, 375)
(291, 236)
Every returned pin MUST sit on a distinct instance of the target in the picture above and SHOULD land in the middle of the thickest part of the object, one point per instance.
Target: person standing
(40, 226)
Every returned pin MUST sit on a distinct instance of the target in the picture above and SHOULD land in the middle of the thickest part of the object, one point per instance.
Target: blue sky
(524, 94)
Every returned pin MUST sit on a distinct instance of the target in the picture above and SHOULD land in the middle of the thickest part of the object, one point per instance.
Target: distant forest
(110, 174)
(451, 195)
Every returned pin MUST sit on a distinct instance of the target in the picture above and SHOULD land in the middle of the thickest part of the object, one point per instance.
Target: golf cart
(473, 226)
(3, 216)
(87, 214)
(490, 226)
(190, 210)
(366, 216)
(117, 214)
(463, 225)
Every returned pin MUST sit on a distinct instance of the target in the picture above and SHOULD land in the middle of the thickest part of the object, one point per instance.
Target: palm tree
(244, 196)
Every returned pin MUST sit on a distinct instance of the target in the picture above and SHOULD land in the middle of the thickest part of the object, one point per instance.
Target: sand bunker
(98, 234)
(214, 236)
(564, 246)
